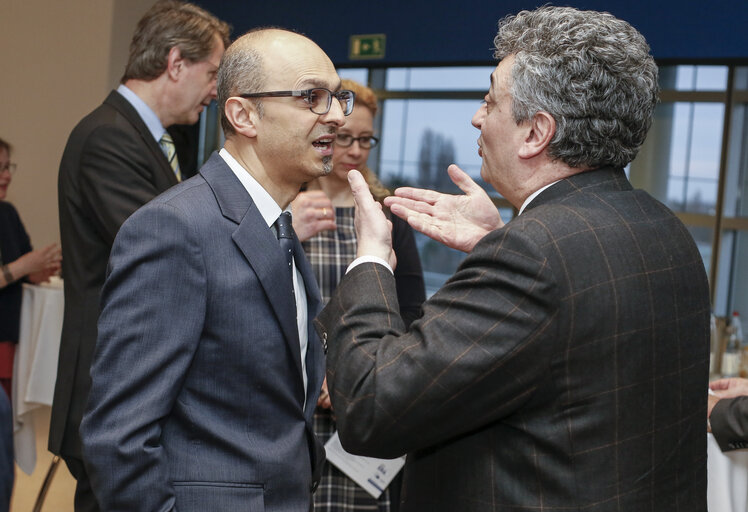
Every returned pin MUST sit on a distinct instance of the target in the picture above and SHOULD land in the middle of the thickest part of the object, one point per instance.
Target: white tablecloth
(727, 489)
(35, 366)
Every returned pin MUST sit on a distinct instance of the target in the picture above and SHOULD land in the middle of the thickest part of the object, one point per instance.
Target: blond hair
(366, 98)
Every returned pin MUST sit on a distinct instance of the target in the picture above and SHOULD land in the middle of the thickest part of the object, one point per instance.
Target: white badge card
(373, 475)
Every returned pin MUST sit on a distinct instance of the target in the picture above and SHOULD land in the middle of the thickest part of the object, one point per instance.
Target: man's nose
(478, 117)
(335, 115)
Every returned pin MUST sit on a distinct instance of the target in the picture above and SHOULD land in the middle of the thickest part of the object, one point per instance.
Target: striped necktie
(170, 150)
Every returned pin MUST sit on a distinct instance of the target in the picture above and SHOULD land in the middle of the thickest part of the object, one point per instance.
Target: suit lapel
(314, 354)
(259, 246)
(118, 102)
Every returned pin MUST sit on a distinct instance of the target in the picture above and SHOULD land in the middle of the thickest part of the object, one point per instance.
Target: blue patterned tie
(285, 237)
(170, 150)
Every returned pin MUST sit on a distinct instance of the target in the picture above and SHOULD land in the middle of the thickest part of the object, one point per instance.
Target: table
(727, 487)
(35, 366)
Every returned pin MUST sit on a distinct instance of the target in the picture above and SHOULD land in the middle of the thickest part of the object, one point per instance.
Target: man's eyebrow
(312, 83)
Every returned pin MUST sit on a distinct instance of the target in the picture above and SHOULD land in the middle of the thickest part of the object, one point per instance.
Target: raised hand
(312, 212)
(324, 397)
(41, 264)
(729, 388)
(373, 229)
(457, 221)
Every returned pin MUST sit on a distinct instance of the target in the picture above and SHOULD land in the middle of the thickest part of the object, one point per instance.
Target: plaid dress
(330, 253)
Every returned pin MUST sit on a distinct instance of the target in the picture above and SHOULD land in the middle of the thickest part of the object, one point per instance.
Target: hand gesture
(324, 397)
(41, 264)
(373, 229)
(729, 388)
(312, 212)
(457, 221)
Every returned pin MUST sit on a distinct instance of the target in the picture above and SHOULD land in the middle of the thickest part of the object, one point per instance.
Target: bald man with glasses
(207, 368)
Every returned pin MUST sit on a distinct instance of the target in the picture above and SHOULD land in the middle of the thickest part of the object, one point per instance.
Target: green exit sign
(367, 46)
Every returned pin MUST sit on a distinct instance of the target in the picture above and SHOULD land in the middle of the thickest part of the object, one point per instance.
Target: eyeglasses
(8, 167)
(345, 140)
(319, 98)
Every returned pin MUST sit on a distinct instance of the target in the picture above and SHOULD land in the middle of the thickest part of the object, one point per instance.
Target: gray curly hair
(591, 71)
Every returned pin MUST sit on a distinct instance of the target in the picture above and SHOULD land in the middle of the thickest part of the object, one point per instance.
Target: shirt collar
(534, 195)
(267, 206)
(145, 112)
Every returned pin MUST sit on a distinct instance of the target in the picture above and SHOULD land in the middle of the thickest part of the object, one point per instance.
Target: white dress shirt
(270, 211)
(149, 117)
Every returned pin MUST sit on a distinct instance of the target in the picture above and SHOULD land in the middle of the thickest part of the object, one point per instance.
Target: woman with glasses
(17, 261)
(323, 221)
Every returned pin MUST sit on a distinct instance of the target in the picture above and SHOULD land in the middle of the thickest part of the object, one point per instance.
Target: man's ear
(242, 114)
(174, 63)
(542, 128)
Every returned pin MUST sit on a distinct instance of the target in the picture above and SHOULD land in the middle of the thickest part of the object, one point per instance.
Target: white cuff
(368, 259)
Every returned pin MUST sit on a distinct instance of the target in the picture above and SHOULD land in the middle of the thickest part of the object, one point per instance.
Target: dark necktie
(285, 237)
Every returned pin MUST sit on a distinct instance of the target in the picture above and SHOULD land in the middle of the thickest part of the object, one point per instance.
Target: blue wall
(423, 32)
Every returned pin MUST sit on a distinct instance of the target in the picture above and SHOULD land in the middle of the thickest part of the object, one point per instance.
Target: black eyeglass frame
(373, 141)
(306, 93)
(10, 167)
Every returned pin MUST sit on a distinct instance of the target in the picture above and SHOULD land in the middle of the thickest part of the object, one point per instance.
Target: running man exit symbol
(367, 46)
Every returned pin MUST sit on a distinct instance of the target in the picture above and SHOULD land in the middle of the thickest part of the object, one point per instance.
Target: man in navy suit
(114, 163)
(562, 367)
(207, 369)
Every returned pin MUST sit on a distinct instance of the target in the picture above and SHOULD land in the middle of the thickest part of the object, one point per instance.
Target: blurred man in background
(118, 158)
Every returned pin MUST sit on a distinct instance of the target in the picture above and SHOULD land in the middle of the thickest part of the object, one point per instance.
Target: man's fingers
(399, 210)
(360, 189)
(404, 204)
(719, 384)
(462, 179)
(423, 224)
(418, 194)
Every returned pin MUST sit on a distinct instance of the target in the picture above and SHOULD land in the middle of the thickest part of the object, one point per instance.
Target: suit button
(314, 486)
(324, 341)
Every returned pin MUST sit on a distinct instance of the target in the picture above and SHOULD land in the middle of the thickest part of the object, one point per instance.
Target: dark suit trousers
(85, 501)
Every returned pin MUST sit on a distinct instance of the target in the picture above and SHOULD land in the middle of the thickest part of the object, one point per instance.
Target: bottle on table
(741, 341)
(733, 362)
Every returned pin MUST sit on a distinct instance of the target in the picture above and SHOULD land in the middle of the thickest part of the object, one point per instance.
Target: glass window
(360, 75)
(469, 78)
(420, 138)
(701, 78)
(679, 161)
(695, 146)
(736, 181)
(732, 292)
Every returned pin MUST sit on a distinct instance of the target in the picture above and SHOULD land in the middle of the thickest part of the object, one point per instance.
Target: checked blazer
(729, 422)
(562, 367)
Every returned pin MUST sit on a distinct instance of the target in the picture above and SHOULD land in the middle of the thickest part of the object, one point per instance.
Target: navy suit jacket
(561, 368)
(197, 398)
